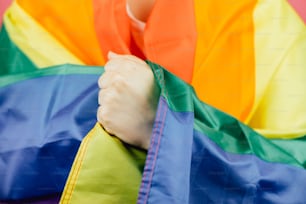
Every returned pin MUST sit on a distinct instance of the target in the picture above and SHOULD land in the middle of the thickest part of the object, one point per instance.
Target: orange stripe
(71, 22)
(112, 26)
(224, 62)
(169, 36)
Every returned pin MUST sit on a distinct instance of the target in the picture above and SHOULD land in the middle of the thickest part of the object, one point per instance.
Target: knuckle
(107, 100)
(118, 79)
(100, 81)
(108, 65)
(119, 82)
(112, 65)
(105, 120)
(104, 79)
(99, 115)
(109, 129)
(100, 96)
(106, 97)
(103, 116)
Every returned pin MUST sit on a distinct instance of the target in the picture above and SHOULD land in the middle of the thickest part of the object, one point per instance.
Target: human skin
(128, 95)
(128, 99)
(141, 9)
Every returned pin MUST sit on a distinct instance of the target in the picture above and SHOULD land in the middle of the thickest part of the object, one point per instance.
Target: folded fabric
(197, 155)
(247, 59)
(44, 115)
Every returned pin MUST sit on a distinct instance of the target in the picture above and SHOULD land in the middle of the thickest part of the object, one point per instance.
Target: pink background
(300, 7)
(3, 5)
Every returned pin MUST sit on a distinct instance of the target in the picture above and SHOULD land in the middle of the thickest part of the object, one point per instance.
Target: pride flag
(250, 151)
(197, 155)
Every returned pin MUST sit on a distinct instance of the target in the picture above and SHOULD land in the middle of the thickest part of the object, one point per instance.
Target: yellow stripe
(104, 171)
(33, 40)
(280, 45)
(76, 167)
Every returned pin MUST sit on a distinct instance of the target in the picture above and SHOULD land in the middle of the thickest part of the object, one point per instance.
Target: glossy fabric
(185, 165)
(105, 170)
(244, 57)
(188, 167)
(68, 18)
(43, 121)
(197, 154)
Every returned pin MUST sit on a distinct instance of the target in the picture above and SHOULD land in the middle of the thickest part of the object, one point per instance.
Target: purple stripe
(186, 166)
(153, 151)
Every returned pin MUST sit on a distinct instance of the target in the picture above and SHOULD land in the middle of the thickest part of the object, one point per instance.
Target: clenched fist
(128, 99)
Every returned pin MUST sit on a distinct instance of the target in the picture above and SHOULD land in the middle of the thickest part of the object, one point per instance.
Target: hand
(128, 99)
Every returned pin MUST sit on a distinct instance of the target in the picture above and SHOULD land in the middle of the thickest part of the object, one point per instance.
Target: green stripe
(12, 59)
(66, 69)
(296, 147)
(227, 132)
(15, 65)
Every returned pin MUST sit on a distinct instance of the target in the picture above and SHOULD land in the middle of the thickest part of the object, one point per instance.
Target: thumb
(112, 55)
(112, 64)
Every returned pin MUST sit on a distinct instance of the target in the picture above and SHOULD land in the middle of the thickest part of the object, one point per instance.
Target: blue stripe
(191, 168)
(42, 122)
(164, 155)
(221, 177)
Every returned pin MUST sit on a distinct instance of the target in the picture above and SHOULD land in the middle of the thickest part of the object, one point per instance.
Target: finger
(117, 62)
(106, 98)
(102, 118)
(124, 64)
(102, 81)
(107, 79)
(114, 65)
(101, 96)
(112, 55)
(99, 114)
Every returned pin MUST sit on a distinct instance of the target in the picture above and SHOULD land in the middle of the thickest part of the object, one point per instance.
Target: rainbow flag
(198, 154)
(231, 137)
(44, 116)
